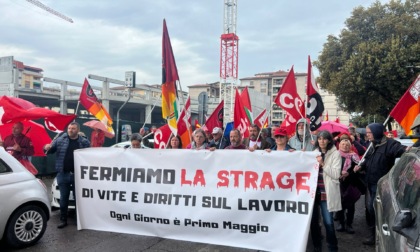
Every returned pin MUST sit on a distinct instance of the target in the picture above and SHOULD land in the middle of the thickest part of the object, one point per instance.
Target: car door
(405, 184)
(384, 208)
(393, 194)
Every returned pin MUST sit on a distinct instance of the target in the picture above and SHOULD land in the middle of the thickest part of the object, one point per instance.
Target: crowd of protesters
(342, 176)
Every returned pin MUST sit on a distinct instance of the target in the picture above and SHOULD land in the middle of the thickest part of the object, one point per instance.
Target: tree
(366, 66)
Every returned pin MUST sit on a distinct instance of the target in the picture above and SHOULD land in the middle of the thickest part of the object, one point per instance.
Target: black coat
(380, 159)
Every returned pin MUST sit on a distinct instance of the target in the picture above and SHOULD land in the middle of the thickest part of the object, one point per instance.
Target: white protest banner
(238, 198)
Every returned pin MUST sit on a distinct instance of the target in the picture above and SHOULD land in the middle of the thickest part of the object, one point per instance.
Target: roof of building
(19, 65)
(268, 75)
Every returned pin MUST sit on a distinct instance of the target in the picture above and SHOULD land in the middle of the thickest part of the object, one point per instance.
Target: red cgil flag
(408, 106)
(289, 126)
(161, 136)
(288, 99)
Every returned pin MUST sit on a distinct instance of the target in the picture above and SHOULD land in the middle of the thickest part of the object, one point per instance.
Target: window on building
(263, 90)
(27, 84)
(37, 85)
(251, 83)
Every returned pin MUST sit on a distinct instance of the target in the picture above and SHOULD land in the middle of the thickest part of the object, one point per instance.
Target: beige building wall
(331, 106)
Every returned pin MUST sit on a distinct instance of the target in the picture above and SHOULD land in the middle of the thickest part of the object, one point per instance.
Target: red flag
(326, 116)
(196, 124)
(337, 119)
(18, 110)
(216, 118)
(261, 119)
(288, 98)
(89, 100)
(265, 125)
(288, 124)
(184, 124)
(315, 105)
(240, 119)
(161, 136)
(246, 101)
(408, 107)
(169, 78)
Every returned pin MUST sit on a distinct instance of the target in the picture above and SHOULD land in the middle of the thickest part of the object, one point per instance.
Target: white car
(55, 199)
(127, 144)
(24, 207)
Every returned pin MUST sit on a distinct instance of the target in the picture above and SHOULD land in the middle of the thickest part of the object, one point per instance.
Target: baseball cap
(280, 132)
(216, 130)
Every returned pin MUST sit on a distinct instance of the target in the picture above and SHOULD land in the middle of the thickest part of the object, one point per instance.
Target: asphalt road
(70, 239)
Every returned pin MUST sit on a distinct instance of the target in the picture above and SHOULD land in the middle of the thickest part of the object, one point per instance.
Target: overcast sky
(109, 38)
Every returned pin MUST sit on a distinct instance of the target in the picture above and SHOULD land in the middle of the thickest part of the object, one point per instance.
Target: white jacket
(332, 172)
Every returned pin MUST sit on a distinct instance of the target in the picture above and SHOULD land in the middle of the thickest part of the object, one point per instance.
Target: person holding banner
(378, 161)
(64, 146)
(218, 141)
(235, 140)
(199, 140)
(175, 142)
(255, 141)
(327, 197)
(303, 139)
(136, 140)
(280, 136)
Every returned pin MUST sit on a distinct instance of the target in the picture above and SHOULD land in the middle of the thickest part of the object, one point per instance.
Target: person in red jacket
(17, 144)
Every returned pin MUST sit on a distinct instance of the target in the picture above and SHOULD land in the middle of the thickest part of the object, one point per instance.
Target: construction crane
(52, 11)
(229, 43)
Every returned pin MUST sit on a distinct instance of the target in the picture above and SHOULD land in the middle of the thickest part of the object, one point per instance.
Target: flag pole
(77, 109)
(150, 113)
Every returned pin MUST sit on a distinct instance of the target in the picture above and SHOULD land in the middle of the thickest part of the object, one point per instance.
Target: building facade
(259, 101)
(16, 75)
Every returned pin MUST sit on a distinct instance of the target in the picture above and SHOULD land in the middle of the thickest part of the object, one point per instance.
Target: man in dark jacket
(218, 141)
(378, 161)
(64, 146)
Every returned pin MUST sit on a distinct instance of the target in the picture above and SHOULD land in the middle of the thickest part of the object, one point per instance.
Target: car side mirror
(403, 219)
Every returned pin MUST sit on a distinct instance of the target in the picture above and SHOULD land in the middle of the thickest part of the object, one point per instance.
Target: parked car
(397, 206)
(127, 144)
(55, 199)
(24, 207)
